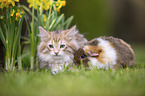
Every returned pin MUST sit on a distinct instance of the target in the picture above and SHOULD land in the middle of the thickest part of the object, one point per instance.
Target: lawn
(126, 82)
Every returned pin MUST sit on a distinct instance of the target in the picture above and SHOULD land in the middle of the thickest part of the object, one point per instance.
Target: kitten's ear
(72, 31)
(43, 32)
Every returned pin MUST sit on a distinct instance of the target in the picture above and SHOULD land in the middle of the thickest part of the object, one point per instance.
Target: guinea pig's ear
(92, 54)
(93, 42)
(71, 32)
(43, 34)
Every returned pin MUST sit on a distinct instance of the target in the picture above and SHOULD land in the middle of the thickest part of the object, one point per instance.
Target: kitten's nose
(56, 53)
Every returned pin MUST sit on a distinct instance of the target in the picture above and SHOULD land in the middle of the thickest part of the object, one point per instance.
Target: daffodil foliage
(11, 19)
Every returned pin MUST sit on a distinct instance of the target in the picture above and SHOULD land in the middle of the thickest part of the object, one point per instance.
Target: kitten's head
(57, 43)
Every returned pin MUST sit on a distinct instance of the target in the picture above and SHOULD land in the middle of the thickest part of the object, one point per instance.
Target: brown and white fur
(56, 49)
(106, 52)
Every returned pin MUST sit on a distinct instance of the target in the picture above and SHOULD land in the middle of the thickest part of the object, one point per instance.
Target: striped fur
(64, 43)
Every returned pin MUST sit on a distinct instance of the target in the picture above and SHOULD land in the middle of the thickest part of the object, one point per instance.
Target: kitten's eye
(83, 56)
(51, 46)
(62, 46)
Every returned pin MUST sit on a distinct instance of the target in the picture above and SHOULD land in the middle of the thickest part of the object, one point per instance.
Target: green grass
(128, 82)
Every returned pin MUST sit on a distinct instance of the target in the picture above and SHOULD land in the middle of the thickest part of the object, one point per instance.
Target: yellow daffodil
(16, 0)
(62, 2)
(59, 7)
(38, 3)
(13, 2)
(4, 2)
(59, 4)
(1, 17)
(46, 3)
(18, 15)
(31, 3)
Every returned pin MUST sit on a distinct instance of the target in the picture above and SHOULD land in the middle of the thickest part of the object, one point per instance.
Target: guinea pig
(105, 52)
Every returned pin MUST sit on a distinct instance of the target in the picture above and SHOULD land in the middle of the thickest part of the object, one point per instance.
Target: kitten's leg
(43, 65)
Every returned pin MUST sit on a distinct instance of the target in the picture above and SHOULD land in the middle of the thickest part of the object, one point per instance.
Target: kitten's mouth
(57, 56)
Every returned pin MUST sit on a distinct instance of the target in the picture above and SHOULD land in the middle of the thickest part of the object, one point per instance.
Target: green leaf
(58, 20)
(48, 22)
(68, 22)
(27, 24)
(2, 37)
(51, 24)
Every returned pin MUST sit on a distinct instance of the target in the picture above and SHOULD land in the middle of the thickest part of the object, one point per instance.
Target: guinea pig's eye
(100, 51)
(83, 56)
(51, 46)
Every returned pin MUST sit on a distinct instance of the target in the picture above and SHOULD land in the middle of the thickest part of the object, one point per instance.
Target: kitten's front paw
(54, 72)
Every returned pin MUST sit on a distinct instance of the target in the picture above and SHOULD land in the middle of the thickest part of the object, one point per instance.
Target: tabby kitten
(56, 48)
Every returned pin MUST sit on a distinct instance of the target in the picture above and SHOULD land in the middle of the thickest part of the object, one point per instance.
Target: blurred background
(120, 18)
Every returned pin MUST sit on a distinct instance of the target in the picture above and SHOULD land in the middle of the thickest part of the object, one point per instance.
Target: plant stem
(8, 63)
(19, 63)
(19, 57)
(32, 62)
(8, 56)
(32, 39)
